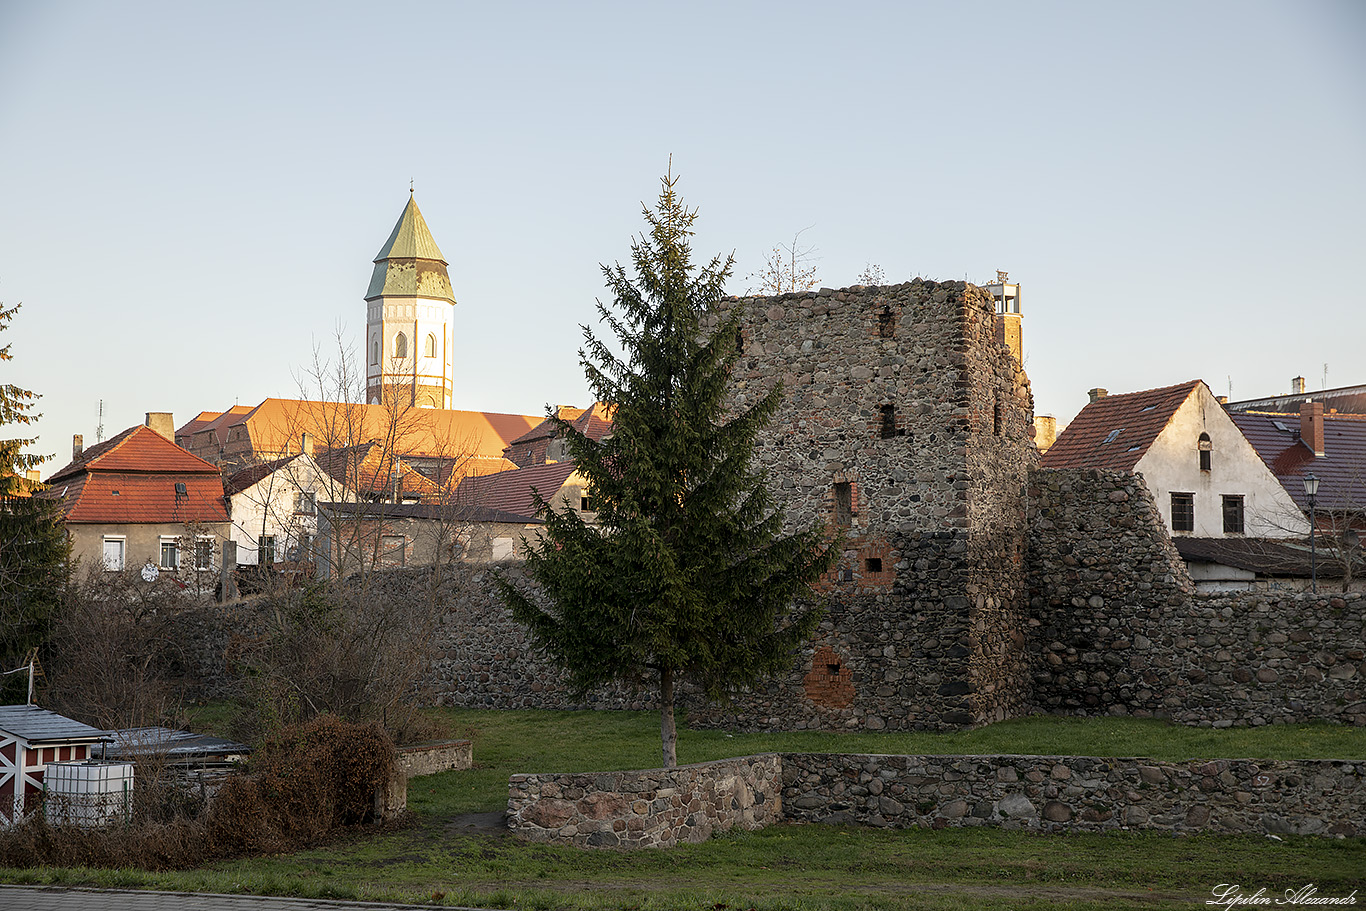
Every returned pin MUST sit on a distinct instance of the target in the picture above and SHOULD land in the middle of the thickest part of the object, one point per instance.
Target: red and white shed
(30, 738)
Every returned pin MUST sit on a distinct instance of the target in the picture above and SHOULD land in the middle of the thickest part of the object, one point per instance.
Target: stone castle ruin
(972, 586)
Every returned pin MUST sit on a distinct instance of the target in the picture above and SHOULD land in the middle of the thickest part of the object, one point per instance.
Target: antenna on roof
(99, 427)
(1325, 376)
(1230, 388)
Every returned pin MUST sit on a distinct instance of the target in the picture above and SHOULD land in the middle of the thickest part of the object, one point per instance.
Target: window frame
(1187, 513)
(122, 542)
(203, 554)
(1239, 503)
(174, 545)
(265, 550)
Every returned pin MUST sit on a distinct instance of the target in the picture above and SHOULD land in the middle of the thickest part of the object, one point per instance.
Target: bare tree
(787, 268)
(872, 274)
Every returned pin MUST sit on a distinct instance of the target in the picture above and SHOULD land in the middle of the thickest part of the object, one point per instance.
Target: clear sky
(191, 194)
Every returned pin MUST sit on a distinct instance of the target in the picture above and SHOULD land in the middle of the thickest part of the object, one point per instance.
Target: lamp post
(1311, 490)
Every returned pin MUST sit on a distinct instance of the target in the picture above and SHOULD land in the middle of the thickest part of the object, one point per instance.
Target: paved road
(60, 898)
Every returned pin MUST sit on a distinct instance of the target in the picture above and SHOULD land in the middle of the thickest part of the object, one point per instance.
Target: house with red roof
(138, 498)
(1206, 477)
(545, 442)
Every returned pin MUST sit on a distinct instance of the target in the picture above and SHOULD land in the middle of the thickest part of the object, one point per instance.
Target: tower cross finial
(410, 186)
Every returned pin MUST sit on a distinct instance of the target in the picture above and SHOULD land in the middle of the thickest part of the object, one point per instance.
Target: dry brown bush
(304, 785)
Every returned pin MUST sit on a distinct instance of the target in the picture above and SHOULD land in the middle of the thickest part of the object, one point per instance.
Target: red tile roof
(136, 449)
(594, 423)
(1343, 399)
(1114, 432)
(1341, 469)
(133, 478)
(510, 491)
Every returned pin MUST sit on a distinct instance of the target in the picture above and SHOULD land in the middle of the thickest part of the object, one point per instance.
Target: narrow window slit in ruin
(739, 341)
(886, 326)
(833, 669)
(873, 564)
(888, 421)
(844, 503)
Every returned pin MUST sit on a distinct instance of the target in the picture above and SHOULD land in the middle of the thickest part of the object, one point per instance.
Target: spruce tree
(33, 545)
(687, 575)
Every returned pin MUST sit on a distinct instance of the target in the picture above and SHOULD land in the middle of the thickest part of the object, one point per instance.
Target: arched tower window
(430, 349)
(400, 345)
(374, 351)
(1204, 447)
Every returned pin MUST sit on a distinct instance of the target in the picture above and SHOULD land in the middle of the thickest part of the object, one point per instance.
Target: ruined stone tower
(906, 425)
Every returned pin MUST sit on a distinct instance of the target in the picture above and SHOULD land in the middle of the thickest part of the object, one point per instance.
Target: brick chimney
(162, 422)
(306, 444)
(77, 446)
(1097, 394)
(1311, 426)
(1297, 386)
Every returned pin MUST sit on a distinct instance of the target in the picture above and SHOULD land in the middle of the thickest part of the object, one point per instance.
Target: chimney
(33, 475)
(1221, 399)
(1297, 386)
(1097, 394)
(162, 423)
(306, 445)
(1045, 431)
(1311, 426)
(77, 446)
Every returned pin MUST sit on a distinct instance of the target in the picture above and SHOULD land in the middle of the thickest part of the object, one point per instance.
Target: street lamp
(1311, 490)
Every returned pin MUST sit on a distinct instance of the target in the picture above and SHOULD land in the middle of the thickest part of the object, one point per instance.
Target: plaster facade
(1173, 464)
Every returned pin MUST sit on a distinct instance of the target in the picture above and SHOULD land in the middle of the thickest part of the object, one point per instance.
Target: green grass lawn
(788, 866)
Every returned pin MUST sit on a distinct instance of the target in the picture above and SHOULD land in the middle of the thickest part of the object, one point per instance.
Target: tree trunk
(667, 730)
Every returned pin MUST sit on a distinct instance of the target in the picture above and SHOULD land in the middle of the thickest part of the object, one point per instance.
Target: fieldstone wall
(431, 758)
(904, 424)
(649, 809)
(1073, 793)
(1117, 627)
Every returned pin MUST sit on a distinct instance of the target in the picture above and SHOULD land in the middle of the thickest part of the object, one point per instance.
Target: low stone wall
(1073, 793)
(430, 758)
(646, 809)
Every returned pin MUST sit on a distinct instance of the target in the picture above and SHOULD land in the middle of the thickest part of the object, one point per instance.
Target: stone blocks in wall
(1073, 793)
(431, 758)
(1117, 628)
(645, 809)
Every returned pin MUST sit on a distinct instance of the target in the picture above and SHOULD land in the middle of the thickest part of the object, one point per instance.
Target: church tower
(409, 304)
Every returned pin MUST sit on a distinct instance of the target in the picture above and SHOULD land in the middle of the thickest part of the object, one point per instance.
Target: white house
(274, 507)
(1207, 479)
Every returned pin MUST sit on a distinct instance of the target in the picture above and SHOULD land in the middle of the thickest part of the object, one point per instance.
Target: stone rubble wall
(647, 809)
(1074, 793)
(431, 758)
(1117, 628)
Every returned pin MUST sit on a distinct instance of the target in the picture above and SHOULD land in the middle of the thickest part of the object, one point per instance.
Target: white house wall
(1172, 464)
(268, 508)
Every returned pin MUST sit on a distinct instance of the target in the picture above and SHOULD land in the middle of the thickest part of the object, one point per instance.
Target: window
(113, 554)
(1114, 435)
(1204, 447)
(886, 323)
(400, 345)
(1183, 512)
(170, 554)
(265, 549)
(739, 341)
(844, 503)
(888, 422)
(392, 549)
(374, 351)
(1233, 514)
(872, 564)
(203, 554)
(306, 503)
(585, 503)
(430, 349)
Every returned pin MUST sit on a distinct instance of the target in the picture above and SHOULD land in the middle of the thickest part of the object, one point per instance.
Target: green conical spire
(410, 264)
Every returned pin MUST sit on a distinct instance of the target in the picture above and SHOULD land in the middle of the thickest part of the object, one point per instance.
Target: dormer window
(1204, 447)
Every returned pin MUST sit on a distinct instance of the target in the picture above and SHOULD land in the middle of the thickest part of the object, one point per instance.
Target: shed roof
(511, 491)
(38, 725)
